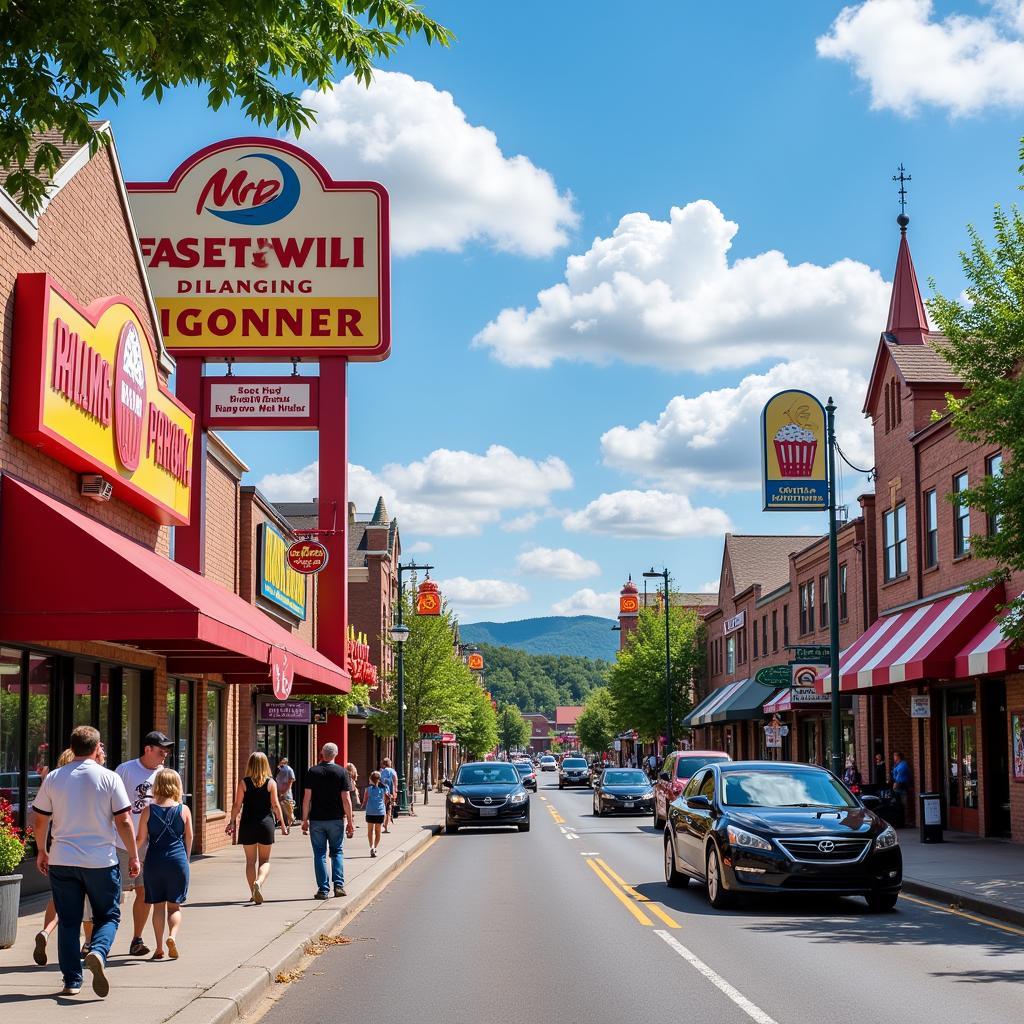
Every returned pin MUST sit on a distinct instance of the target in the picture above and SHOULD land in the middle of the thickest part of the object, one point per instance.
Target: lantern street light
(651, 574)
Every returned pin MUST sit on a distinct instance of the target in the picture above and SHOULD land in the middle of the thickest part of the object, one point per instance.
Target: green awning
(736, 702)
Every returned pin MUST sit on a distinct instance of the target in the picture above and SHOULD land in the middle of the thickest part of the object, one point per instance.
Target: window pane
(131, 695)
(105, 725)
(184, 765)
(213, 707)
(10, 730)
(41, 672)
(81, 712)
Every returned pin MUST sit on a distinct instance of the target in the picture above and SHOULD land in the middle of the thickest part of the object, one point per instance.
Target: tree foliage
(636, 682)
(595, 726)
(540, 682)
(61, 61)
(986, 349)
(479, 736)
(513, 729)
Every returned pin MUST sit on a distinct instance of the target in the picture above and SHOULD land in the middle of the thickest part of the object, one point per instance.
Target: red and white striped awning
(989, 651)
(919, 642)
(782, 701)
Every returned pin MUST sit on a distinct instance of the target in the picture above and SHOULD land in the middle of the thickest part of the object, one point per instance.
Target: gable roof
(761, 558)
(918, 365)
(568, 715)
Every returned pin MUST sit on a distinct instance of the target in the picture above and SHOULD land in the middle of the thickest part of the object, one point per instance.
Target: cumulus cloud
(909, 58)
(588, 602)
(560, 563)
(421, 547)
(711, 587)
(447, 493)
(711, 439)
(461, 591)
(450, 182)
(664, 294)
(648, 514)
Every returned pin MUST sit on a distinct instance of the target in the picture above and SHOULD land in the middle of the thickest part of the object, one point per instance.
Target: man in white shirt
(138, 776)
(83, 806)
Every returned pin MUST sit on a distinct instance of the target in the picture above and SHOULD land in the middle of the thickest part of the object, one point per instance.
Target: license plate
(488, 812)
(627, 803)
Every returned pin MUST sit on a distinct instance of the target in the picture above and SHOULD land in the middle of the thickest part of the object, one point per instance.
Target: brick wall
(222, 522)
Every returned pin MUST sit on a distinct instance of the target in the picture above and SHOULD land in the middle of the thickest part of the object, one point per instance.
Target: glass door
(962, 792)
(180, 698)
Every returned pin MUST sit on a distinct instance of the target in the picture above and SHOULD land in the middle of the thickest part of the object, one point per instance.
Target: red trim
(310, 422)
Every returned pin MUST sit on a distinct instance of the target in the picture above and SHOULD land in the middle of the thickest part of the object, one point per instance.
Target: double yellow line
(555, 816)
(623, 891)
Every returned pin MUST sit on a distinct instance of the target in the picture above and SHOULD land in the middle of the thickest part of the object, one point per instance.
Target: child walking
(167, 824)
(374, 802)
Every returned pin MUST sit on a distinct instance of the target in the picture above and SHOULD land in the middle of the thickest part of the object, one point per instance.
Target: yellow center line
(614, 890)
(963, 913)
(641, 898)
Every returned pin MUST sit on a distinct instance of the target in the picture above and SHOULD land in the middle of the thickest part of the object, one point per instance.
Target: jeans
(70, 886)
(323, 834)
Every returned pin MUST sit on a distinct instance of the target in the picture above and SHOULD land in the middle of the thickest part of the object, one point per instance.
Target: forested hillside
(587, 636)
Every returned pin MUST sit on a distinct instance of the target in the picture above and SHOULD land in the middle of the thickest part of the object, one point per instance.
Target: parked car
(486, 793)
(775, 827)
(527, 774)
(676, 772)
(548, 763)
(623, 789)
(573, 772)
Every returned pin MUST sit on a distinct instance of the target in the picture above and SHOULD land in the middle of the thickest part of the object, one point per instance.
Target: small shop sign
(920, 705)
(774, 676)
(810, 654)
(278, 581)
(793, 448)
(261, 403)
(307, 557)
(736, 622)
(284, 712)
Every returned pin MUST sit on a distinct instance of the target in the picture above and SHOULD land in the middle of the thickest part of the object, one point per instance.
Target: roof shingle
(762, 559)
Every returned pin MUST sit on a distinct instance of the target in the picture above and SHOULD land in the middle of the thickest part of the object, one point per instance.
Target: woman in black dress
(257, 803)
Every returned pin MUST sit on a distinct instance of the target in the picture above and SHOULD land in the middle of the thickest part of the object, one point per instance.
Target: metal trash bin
(930, 816)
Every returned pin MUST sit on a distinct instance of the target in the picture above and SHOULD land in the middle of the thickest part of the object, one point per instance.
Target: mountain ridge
(588, 636)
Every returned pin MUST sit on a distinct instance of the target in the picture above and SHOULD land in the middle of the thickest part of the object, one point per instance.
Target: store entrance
(962, 772)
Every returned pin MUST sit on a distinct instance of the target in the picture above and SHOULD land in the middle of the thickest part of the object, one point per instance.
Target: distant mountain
(586, 636)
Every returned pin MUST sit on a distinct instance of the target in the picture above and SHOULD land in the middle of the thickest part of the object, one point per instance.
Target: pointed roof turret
(908, 322)
(380, 514)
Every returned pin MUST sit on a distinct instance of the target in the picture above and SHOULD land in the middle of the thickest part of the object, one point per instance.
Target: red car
(675, 774)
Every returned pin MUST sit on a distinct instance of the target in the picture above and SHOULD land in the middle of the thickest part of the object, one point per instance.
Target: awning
(735, 702)
(988, 651)
(919, 642)
(783, 701)
(67, 577)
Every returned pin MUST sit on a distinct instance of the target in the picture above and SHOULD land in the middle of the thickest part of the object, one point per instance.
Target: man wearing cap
(138, 776)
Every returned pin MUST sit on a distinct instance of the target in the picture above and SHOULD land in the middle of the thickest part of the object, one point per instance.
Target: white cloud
(520, 524)
(560, 563)
(421, 547)
(663, 293)
(712, 439)
(909, 58)
(648, 514)
(711, 587)
(588, 602)
(450, 182)
(447, 493)
(482, 593)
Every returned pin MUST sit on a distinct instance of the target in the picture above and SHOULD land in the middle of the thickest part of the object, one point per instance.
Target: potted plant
(12, 850)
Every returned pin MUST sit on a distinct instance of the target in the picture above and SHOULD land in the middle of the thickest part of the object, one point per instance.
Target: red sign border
(310, 422)
(362, 355)
(312, 572)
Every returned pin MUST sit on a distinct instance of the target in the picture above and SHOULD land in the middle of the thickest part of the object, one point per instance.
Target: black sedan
(527, 773)
(623, 789)
(773, 827)
(487, 793)
(574, 772)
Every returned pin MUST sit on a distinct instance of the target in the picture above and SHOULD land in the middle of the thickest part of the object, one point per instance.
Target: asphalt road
(573, 922)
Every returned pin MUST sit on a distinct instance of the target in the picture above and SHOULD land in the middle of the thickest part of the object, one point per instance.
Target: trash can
(930, 816)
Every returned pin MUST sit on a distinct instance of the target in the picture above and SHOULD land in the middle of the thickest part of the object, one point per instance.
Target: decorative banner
(476, 662)
(278, 581)
(86, 389)
(629, 604)
(793, 442)
(261, 403)
(804, 691)
(428, 598)
(307, 557)
(736, 622)
(286, 712)
(282, 675)
(252, 249)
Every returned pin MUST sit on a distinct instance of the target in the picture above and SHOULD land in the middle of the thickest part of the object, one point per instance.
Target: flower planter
(10, 896)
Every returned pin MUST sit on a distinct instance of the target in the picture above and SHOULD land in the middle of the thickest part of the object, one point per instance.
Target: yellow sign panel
(793, 447)
(279, 582)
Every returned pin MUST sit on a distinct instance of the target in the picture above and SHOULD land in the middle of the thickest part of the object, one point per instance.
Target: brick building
(541, 728)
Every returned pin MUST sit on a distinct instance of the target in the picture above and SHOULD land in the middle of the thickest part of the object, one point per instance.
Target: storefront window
(39, 743)
(179, 726)
(10, 729)
(81, 711)
(106, 727)
(131, 696)
(213, 760)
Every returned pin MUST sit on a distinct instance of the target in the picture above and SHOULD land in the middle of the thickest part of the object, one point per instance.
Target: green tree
(513, 729)
(636, 682)
(61, 60)
(986, 349)
(595, 726)
(479, 736)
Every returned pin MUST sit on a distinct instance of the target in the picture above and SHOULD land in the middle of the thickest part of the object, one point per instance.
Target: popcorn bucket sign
(793, 453)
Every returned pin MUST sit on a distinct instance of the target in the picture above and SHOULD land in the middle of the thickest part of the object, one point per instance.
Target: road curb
(959, 900)
(239, 991)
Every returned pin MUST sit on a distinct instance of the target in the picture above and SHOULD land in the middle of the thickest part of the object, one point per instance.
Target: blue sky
(612, 424)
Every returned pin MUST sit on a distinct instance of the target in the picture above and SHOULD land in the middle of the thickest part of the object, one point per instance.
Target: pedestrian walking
(375, 799)
(353, 777)
(166, 829)
(851, 776)
(137, 776)
(901, 779)
(285, 779)
(389, 777)
(327, 819)
(254, 815)
(82, 806)
(878, 773)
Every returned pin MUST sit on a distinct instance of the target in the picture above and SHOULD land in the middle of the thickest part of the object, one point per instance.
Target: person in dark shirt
(879, 775)
(326, 810)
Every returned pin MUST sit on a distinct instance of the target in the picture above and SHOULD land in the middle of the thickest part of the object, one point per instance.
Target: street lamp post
(668, 660)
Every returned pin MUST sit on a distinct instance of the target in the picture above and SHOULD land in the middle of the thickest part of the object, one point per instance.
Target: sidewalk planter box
(10, 897)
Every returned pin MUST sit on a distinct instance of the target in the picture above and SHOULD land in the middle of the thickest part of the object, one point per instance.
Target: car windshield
(524, 769)
(687, 767)
(547, 758)
(782, 788)
(633, 777)
(574, 762)
(487, 775)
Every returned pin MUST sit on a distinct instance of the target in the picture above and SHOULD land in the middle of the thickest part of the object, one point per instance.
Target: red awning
(988, 651)
(67, 577)
(919, 642)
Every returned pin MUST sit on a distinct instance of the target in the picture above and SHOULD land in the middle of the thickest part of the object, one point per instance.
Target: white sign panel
(921, 705)
(772, 736)
(804, 690)
(736, 622)
(932, 812)
(427, 746)
(248, 403)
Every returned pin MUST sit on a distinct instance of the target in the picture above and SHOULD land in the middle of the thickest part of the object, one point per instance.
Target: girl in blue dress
(373, 800)
(167, 825)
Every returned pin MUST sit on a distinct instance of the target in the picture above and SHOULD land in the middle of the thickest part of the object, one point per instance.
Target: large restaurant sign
(86, 389)
(252, 249)
(278, 581)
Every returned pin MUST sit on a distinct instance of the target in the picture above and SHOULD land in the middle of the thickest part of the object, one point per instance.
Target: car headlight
(649, 795)
(456, 799)
(519, 798)
(888, 839)
(747, 840)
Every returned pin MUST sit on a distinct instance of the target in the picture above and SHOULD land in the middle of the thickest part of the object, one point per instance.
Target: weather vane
(902, 178)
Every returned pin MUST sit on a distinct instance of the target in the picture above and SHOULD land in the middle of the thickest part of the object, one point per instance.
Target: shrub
(12, 848)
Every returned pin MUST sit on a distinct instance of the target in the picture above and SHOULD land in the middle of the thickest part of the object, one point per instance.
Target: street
(573, 922)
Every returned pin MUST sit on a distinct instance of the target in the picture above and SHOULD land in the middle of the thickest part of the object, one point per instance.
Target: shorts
(128, 884)
(375, 819)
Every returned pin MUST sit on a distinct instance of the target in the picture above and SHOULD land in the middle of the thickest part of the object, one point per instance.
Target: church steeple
(908, 322)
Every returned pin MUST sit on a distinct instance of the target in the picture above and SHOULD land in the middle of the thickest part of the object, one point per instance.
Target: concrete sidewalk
(982, 875)
(231, 950)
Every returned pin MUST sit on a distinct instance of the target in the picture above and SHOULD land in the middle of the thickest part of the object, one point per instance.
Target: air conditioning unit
(92, 485)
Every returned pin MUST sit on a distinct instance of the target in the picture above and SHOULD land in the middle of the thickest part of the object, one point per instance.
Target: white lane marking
(590, 853)
(753, 1012)
(562, 830)
(572, 835)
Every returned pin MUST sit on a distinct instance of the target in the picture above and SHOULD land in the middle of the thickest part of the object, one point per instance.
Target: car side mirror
(698, 803)
(447, 784)
(872, 803)
(663, 776)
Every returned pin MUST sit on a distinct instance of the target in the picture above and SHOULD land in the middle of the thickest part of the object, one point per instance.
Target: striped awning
(988, 651)
(919, 642)
(782, 701)
(734, 702)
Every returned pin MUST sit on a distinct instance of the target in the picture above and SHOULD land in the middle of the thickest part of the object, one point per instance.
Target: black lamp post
(651, 574)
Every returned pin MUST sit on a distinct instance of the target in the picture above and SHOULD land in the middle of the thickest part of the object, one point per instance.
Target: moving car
(774, 827)
(622, 789)
(676, 772)
(548, 763)
(574, 772)
(527, 774)
(486, 793)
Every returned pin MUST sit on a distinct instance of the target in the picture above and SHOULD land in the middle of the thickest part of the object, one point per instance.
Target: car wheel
(560, 786)
(718, 896)
(450, 829)
(524, 828)
(882, 902)
(597, 810)
(673, 878)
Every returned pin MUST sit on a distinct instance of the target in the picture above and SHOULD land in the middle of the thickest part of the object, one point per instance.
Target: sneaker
(137, 948)
(373, 851)
(39, 953)
(100, 984)
(71, 990)
(339, 890)
(318, 895)
(257, 893)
